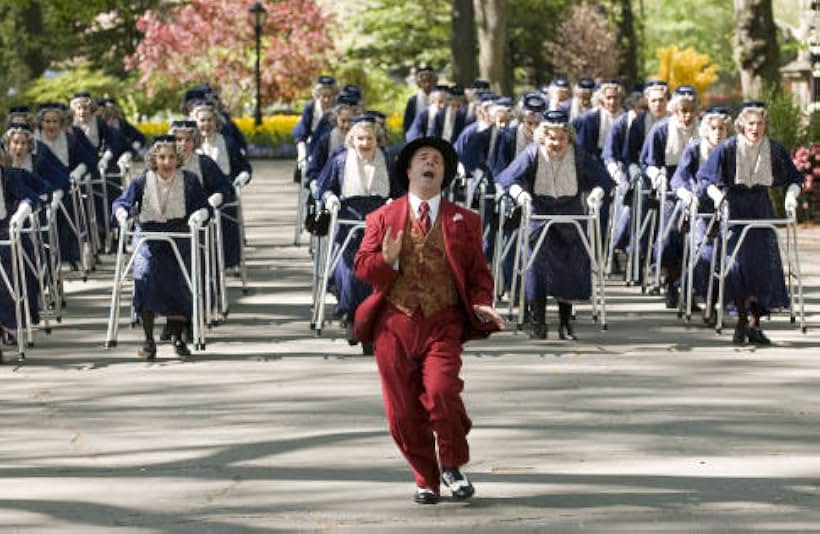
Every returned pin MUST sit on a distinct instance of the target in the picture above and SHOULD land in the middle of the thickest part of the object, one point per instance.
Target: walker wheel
(519, 327)
(318, 332)
(688, 318)
(680, 314)
(793, 319)
(200, 346)
(110, 344)
(628, 283)
(47, 330)
(59, 319)
(245, 290)
(29, 344)
(717, 331)
(594, 318)
(604, 327)
(805, 329)
(85, 278)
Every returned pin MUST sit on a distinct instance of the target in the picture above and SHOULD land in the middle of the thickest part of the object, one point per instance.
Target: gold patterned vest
(425, 280)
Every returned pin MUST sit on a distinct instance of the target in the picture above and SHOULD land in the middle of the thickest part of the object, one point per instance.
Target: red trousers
(419, 362)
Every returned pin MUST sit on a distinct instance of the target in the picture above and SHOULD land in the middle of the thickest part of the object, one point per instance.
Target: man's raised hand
(391, 248)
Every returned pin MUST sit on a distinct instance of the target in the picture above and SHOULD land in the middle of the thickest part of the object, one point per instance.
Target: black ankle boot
(177, 328)
(565, 330)
(538, 319)
(149, 348)
(672, 296)
(741, 330)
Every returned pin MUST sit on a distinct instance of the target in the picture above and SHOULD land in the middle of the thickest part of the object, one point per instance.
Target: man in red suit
(431, 292)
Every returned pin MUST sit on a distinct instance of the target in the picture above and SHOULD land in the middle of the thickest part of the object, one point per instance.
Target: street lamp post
(258, 15)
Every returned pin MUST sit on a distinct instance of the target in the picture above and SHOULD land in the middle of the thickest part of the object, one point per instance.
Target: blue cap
(686, 90)
(456, 91)
(753, 104)
(19, 127)
(51, 106)
(165, 138)
(364, 117)
(481, 85)
(19, 109)
(440, 88)
(585, 83)
(81, 95)
(378, 115)
(105, 101)
(326, 80)
(716, 110)
(556, 117)
(487, 97)
(535, 102)
(611, 82)
(347, 99)
(655, 83)
(183, 125)
(560, 81)
(504, 101)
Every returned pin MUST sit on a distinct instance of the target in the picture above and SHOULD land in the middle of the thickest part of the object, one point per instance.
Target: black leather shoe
(566, 332)
(538, 331)
(181, 348)
(672, 296)
(350, 334)
(739, 338)
(757, 337)
(148, 350)
(459, 484)
(425, 496)
(367, 349)
(165, 335)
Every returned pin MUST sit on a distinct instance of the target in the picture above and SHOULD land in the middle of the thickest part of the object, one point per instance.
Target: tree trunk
(32, 54)
(756, 52)
(463, 43)
(628, 39)
(492, 44)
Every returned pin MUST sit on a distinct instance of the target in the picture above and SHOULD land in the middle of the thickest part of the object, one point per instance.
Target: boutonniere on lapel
(458, 217)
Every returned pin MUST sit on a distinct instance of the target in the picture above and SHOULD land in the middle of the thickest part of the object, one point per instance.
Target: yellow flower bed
(275, 129)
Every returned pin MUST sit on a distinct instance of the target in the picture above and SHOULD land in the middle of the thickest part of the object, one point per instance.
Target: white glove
(23, 211)
(688, 199)
(242, 180)
(103, 163)
(332, 202)
(121, 215)
(613, 168)
(301, 153)
(634, 171)
(715, 194)
(595, 197)
(215, 200)
(460, 170)
(520, 196)
(791, 198)
(57, 195)
(136, 145)
(657, 176)
(478, 174)
(125, 160)
(198, 217)
(78, 172)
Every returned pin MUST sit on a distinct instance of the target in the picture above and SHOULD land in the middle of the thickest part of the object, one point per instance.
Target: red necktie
(424, 217)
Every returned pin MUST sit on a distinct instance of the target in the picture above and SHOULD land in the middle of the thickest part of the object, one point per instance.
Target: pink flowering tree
(213, 41)
(807, 161)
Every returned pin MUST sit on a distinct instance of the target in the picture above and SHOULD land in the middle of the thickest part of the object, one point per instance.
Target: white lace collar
(59, 146)
(216, 149)
(753, 162)
(677, 137)
(163, 201)
(362, 178)
(556, 177)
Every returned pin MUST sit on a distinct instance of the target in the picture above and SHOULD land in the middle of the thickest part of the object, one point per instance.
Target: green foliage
(705, 25)
(786, 121)
(380, 91)
(395, 35)
(530, 23)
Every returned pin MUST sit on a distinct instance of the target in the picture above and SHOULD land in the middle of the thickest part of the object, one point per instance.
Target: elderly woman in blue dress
(68, 157)
(231, 162)
(114, 118)
(552, 174)
(323, 95)
(557, 93)
(715, 126)
(426, 79)
(741, 170)
(661, 152)
(581, 101)
(164, 198)
(17, 201)
(424, 125)
(333, 138)
(359, 179)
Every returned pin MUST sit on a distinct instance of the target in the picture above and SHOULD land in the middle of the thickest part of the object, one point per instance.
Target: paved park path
(653, 425)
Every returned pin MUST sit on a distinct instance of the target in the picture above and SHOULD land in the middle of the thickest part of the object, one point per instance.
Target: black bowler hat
(442, 145)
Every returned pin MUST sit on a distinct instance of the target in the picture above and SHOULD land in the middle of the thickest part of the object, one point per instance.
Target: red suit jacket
(461, 230)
